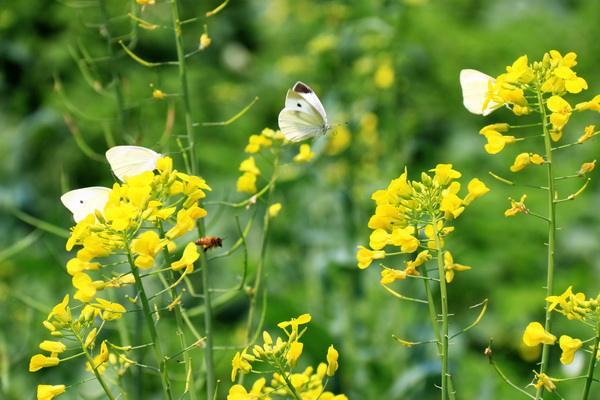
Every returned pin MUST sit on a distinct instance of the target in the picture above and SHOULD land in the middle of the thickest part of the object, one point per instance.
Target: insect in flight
(209, 242)
(303, 115)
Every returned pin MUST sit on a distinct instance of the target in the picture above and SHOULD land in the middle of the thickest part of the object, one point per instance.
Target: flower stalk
(158, 353)
(551, 219)
(444, 308)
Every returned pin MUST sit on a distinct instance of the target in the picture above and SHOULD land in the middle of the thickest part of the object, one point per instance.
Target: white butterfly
(475, 86)
(85, 201)
(131, 160)
(303, 116)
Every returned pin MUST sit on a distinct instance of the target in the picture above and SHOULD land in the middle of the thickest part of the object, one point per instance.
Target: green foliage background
(259, 49)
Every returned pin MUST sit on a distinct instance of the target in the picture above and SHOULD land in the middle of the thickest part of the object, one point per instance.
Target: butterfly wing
(131, 160)
(83, 202)
(297, 125)
(475, 86)
(305, 92)
(303, 115)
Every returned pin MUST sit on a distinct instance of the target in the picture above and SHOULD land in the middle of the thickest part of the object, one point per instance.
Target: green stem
(158, 353)
(444, 306)
(435, 325)
(263, 252)
(94, 369)
(189, 123)
(591, 366)
(551, 235)
(116, 77)
(208, 328)
(179, 323)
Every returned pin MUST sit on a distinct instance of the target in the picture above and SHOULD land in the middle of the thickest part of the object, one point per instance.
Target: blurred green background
(387, 68)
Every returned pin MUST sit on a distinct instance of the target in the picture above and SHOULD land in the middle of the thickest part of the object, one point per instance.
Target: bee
(209, 242)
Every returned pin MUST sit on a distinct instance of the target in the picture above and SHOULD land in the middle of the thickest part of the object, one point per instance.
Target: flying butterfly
(475, 85)
(131, 160)
(303, 115)
(85, 201)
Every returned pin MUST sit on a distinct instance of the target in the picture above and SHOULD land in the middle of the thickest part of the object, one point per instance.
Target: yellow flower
(421, 259)
(258, 142)
(90, 338)
(246, 183)
(588, 132)
(75, 265)
(53, 347)
(86, 288)
(241, 362)
(158, 94)
(186, 221)
(40, 361)
(48, 392)
(274, 210)
(389, 275)
(61, 311)
(332, 360)
(294, 353)
(524, 159)
(249, 165)
(517, 207)
(188, 258)
(535, 334)
(559, 300)
(295, 322)
(366, 256)
(444, 174)
(570, 80)
(304, 154)
(450, 267)
(495, 140)
(476, 190)
(147, 246)
(384, 76)
(403, 237)
(592, 105)
(569, 346)
(561, 112)
(99, 359)
(451, 204)
(204, 41)
(520, 71)
(545, 381)
(338, 141)
(110, 310)
(238, 392)
(378, 239)
(145, 2)
(586, 168)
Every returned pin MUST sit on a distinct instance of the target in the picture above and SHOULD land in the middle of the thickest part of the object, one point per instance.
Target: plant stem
(551, 234)
(208, 329)
(94, 369)
(263, 252)
(189, 372)
(444, 305)
(435, 325)
(189, 124)
(591, 365)
(116, 77)
(158, 353)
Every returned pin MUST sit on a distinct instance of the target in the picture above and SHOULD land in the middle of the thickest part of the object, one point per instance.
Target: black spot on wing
(301, 88)
(299, 105)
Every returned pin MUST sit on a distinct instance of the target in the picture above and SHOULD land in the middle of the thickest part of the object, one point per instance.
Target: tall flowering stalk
(537, 88)
(127, 230)
(414, 217)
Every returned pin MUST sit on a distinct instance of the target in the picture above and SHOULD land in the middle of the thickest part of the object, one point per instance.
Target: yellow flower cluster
(574, 306)
(130, 222)
(280, 356)
(268, 138)
(413, 215)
